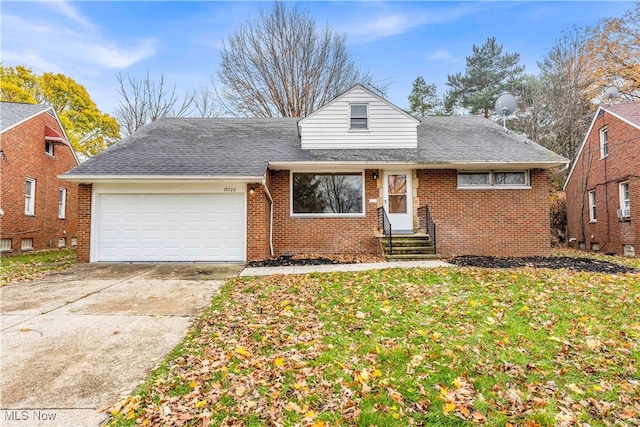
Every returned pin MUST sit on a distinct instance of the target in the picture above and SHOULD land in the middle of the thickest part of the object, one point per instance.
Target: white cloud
(442, 56)
(67, 42)
(385, 23)
(66, 9)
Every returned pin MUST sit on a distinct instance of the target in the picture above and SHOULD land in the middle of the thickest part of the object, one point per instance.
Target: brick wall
(604, 176)
(24, 156)
(84, 222)
(487, 222)
(257, 223)
(321, 235)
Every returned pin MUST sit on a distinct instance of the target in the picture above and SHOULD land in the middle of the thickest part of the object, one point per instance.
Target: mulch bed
(555, 263)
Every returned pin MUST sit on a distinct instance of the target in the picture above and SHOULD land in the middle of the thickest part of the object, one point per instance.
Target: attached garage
(178, 223)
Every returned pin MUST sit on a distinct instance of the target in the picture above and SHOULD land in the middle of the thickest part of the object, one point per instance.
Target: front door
(397, 200)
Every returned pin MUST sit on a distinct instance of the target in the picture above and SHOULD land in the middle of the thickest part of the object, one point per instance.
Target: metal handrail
(385, 225)
(428, 224)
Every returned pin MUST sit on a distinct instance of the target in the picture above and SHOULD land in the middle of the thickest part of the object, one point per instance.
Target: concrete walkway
(327, 268)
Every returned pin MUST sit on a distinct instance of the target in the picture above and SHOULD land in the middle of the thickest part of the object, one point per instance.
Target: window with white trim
(493, 179)
(592, 206)
(604, 142)
(62, 203)
(625, 198)
(48, 147)
(62, 242)
(5, 245)
(74, 241)
(26, 245)
(327, 194)
(30, 196)
(359, 117)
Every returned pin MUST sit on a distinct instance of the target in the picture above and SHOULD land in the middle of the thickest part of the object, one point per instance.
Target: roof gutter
(266, 191)
(479, 165)
(89, 179)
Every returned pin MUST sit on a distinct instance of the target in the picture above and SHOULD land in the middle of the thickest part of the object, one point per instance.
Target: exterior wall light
(252, 190)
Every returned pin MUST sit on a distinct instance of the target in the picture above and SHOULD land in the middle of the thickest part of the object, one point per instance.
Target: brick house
(603, 187)
(38, 209)
(354, 172)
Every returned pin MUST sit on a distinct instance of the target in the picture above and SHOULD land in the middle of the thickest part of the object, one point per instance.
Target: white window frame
(5, 244)
(592, 206)
(625, 200)
(30, 198)
(62, 203)
(62, 242)
(26, 244)
(327, 215)
(351, 117)
(492, 184)
(604, 142)
(49, 148)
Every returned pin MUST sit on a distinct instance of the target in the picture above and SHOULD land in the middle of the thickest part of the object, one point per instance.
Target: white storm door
(397, 200)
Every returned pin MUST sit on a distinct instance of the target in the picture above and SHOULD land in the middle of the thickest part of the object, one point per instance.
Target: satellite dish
(610, 93)
(505, 104)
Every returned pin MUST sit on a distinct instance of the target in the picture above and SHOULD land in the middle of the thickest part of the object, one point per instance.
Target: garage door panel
(171, 227)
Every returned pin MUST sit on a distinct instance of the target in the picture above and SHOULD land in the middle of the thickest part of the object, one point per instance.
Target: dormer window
(48, 147)
(359, 119)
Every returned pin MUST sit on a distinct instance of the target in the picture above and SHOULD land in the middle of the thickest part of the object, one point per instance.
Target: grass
(33, 265)
(398, 347)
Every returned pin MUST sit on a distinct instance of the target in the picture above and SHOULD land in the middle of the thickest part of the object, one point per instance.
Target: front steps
(408, 247)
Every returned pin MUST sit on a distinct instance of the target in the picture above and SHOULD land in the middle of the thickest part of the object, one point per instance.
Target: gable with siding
(388, 126)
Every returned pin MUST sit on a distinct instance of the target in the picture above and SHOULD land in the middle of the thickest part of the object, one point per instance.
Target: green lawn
(33, 265)
(398, 347)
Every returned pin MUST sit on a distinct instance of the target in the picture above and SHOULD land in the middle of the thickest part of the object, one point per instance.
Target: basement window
(5, 245)
(26, 245)
(62, 242)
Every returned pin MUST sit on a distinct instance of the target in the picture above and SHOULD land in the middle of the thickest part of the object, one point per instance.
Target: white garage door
(170, 227)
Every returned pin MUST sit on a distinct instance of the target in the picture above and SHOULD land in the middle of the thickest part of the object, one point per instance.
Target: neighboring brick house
(603, 187)
(38, 209)
(228, 189)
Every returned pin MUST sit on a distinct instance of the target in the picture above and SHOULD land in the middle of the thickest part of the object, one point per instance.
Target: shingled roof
(235, 148)
(629, 111)
(14, 113)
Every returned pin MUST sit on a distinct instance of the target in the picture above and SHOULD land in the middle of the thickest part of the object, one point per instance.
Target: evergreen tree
(488, 73)
(424, 99)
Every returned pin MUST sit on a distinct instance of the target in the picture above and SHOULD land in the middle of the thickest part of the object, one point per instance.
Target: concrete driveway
(77, 341)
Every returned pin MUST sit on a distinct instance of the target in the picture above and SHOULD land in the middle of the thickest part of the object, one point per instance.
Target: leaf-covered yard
(406, 347)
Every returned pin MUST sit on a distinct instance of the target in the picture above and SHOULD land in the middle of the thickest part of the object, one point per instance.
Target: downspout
(266, 191)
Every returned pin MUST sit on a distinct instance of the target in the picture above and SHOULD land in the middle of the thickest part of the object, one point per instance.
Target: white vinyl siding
(387, 127)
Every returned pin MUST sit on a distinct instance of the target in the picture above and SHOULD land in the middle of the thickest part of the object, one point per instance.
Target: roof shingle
(230, 147)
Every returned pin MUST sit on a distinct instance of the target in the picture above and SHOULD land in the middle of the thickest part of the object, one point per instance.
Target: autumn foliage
(406, 347)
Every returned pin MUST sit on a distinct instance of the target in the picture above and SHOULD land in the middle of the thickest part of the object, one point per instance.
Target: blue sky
(395, 41)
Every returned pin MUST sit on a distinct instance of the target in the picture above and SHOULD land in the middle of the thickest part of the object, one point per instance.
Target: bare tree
(146, 100)
(282, 65)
